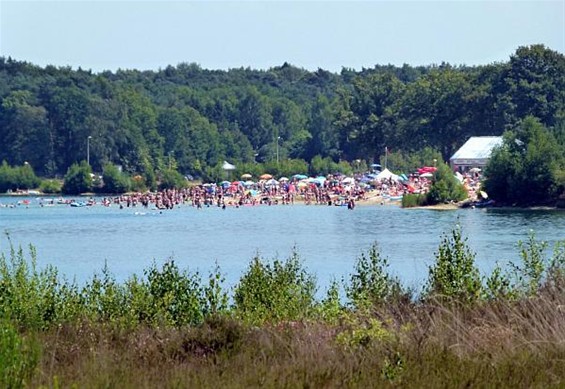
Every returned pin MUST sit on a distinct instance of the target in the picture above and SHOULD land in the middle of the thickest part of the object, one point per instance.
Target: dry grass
(500, 344)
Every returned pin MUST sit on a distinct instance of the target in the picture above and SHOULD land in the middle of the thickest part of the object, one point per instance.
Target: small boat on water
(392, 198)
(78, 204)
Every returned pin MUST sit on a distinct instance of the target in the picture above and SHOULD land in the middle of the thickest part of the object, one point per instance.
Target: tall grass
(172, 327)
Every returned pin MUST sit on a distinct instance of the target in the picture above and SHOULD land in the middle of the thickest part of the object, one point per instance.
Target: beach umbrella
(299, 176)
(246, 176)
(283, 179)
(224, 184)
(265, 176)
(272, 181)
(348, 180)
(248, 183)
(426, 175)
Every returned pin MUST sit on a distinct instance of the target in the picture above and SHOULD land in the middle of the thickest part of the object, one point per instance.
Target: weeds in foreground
(171, 328)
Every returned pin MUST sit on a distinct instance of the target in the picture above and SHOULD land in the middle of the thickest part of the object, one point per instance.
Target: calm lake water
(78, 241)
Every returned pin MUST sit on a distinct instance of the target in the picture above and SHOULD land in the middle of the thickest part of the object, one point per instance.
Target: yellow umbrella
(246, 176)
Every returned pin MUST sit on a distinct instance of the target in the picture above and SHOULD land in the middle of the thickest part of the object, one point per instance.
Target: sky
(147, 35)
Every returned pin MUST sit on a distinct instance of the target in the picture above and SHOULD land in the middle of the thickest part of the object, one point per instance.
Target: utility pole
(278, 138)
(88, 150)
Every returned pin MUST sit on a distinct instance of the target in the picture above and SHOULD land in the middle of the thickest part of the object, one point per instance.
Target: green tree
(445, 187)
(114, 180)
(170, 178)
(78, 179)
(25, 177)
(526, 168)
(454, 274)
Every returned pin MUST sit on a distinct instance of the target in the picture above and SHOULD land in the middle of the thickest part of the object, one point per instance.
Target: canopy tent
(228, 166)
(387, 174)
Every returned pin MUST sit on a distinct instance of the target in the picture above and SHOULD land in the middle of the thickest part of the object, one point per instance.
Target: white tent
(228, 166)
(387, 174)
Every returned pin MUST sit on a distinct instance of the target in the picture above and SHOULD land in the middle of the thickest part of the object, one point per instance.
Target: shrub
(171, 178)
(78, 179)
(29, 297)
(361, 331)
(330, 308)
(281, 290)
(50, 186)
(529, 274)
(556, 269)
(176, 296)
(104, 299)
(18, 357)
(216, 299)
(410, 200)
(371, 284)
(18, 177)
(445, 187)
(454, 274)
(114, 180)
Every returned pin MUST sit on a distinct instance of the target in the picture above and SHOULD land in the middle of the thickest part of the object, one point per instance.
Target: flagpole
(386, 155)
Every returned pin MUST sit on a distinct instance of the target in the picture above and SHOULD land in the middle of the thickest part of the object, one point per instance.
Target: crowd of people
(329, 191)
(333, 190)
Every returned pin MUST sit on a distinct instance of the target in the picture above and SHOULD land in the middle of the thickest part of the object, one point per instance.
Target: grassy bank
(174, 328)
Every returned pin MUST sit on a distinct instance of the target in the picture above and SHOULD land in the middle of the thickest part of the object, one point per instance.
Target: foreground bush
(281, 290)
(172, 328)
(18, 357)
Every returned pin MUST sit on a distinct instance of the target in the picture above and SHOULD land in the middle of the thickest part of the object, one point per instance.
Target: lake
(79, 241)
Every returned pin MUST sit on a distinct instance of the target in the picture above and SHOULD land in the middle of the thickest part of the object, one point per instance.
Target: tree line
(193, 119)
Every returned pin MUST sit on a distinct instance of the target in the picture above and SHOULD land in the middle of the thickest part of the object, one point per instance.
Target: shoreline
(299, 200)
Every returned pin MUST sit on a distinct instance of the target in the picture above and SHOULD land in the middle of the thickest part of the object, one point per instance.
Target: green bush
(370, 283)
(176, 296)
(78, 179)
(445, 187)
(529, 274)
(410, 200)
(19, 357)
(18, 177)
(171, 178)
(114, 180)
(330, 308)
(35, 298)
(454, 274)
(281, 290)
(50, 186)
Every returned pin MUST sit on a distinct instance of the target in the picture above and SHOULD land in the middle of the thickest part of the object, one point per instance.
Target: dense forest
(193, 119)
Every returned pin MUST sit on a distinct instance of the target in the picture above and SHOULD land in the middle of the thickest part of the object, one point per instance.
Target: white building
(475, 153)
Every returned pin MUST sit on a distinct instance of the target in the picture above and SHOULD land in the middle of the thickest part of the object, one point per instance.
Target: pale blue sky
(102, 35)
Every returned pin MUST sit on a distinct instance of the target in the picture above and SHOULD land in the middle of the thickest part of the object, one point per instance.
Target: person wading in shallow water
(351, 204)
